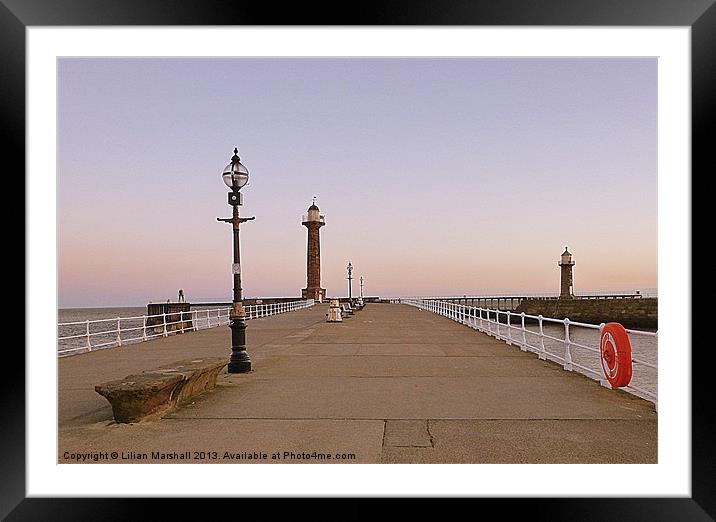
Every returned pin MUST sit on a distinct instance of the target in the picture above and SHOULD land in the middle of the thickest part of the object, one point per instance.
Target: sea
(644, 347)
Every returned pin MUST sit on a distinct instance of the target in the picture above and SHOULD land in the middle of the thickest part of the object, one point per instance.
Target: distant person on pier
(181, 295)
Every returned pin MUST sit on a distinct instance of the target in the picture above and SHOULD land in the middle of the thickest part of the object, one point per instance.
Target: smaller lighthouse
(566, 287)
(313, 221)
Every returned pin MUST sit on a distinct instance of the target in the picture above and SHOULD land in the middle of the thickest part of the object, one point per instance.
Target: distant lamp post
(350, 281)
(236, 176)
(361, 287)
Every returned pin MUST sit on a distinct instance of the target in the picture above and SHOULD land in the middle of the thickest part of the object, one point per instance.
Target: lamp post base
(239, 367)
(240, 361)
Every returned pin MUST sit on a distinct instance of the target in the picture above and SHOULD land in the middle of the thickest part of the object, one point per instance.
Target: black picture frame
(699, 15)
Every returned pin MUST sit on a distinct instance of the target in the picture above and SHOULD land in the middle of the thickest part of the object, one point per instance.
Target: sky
(436, 176)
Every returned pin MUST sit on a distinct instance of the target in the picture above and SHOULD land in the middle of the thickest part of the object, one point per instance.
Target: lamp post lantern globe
(236, 176)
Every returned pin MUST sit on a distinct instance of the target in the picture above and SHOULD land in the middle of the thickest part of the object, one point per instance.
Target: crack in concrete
(430, 435)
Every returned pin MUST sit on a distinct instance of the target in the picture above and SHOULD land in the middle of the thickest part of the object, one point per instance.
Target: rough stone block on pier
(154, 393)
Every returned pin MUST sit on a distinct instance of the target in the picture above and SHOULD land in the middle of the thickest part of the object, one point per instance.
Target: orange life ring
(615, 351)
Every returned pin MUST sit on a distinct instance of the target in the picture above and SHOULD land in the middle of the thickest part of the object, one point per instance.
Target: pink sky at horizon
(436, 176)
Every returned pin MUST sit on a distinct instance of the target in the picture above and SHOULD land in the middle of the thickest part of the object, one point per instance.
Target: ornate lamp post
(361, 287)
(235, 176)
(350, 281)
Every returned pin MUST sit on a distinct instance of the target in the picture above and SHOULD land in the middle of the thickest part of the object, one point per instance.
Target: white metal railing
(90, 335)
(580, 353)
(538, 295)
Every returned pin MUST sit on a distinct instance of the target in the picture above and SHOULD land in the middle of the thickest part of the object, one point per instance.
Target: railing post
(164, 319)
(119, 331)
(482, 327)
(181, 321)
(144, 328)
(567, 347)
(524, 334)
(542, 355)
(89, 343)
(509, 328)
(497, 323)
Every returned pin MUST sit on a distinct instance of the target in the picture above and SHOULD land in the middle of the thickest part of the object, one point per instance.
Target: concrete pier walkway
(390, 384)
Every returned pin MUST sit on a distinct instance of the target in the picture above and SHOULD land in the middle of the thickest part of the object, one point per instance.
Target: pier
(390, 384)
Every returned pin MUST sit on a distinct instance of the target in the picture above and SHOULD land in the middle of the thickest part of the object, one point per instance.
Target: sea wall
(632, 313)
(177, 318)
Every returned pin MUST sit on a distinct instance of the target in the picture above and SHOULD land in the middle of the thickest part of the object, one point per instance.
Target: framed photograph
(384, 305)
